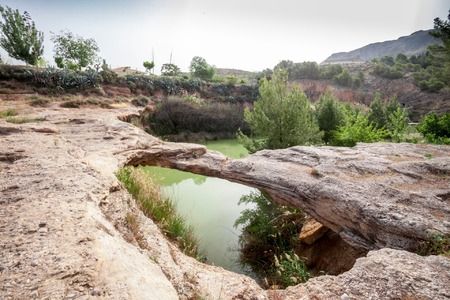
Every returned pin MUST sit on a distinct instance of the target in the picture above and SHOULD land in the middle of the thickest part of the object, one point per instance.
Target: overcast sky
(243, 34)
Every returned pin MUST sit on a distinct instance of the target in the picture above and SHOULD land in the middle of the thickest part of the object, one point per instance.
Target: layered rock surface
(63, 232)
(372, 195)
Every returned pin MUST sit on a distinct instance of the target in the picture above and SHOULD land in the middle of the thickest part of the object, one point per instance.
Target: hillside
(413, 44)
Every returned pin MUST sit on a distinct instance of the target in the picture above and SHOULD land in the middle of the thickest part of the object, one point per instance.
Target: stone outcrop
(383, 274)
(373, 195)
(311, 231)
(63, 230)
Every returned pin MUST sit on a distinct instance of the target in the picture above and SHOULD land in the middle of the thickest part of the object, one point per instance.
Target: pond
(210, 206)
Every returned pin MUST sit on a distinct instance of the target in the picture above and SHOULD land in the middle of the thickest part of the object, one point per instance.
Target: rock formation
(63, 230)
(373, 195)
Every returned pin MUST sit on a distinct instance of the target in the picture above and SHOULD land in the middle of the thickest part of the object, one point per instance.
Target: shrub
(436, 129)
(344, 78)
(330, 71)
(357, 128)
(387, 71)
(8, 113)
(174, 116)
(269, 235)
(66, 79)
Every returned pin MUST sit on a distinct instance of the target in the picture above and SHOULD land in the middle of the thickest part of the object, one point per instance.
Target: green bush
(66, 79)
(435, 129)
(269, 235)
(387, 71)
(344, 78)
(357, 128)
(199, 68)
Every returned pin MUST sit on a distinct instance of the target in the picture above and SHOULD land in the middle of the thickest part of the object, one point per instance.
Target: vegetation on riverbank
(268, 240)
(161, 210)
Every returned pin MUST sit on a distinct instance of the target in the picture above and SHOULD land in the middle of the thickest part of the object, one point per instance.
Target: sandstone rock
(383, 274)
(311, 231)
(373, 195)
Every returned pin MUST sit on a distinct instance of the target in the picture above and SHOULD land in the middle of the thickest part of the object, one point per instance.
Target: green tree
(397, 124)
(199, 68)
(149, 65)
(329, 115)
(19, 36)
(281, 117)
(74, 52)
(170, 70)
(377, 114)
(344, 78)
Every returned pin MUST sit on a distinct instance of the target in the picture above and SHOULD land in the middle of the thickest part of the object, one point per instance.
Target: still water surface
(210, 206)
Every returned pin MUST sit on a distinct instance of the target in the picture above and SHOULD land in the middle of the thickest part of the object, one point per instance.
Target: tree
(74, 52)
(377, 114)
(397, 123)
(201, 69)
(344, 78)
(149, 65)
(281, 117)
(329, 115)
(170, 70)
(19, 36)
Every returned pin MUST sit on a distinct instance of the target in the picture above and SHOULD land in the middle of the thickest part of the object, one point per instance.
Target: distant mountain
(415, 43)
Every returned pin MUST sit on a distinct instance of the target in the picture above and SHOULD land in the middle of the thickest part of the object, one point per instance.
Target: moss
(438, 244)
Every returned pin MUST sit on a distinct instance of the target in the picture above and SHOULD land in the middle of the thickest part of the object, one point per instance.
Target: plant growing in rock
(19, 36)
(269, 235)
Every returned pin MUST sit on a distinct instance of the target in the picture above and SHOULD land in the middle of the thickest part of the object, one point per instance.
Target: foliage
(19, 36)
(291, 269)
(24, 119)
(436, 129)
(8, 113)
(357, 128)
(437, 245)
(397, 123)
(66, 79)
(74, 52)
(281, 117)
(170, 70)
(330, 71)
(140, 185)
(149, 65)
(175, 115)
(329, 115)
(344, 78)
(269, 232)
(295, 71)
(387, 71)
(199, 68)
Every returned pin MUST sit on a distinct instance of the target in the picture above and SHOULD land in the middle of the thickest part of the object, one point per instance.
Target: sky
(242, 34)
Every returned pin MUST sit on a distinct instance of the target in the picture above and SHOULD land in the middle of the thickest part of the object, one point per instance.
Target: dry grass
(8, 113)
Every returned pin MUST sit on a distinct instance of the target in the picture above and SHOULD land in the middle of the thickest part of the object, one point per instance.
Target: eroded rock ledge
(373, 195)
(62, 213)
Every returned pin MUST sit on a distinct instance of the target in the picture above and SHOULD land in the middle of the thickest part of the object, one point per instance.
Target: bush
(357, 128)
(269, 235)
(66, 79)
(436, 129)
(330, 71)
(344, 78)
(387, 71)
(201, 69)
(170, 70)
(174, 116)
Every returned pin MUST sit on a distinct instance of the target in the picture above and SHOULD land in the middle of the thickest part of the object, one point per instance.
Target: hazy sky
(244, 34)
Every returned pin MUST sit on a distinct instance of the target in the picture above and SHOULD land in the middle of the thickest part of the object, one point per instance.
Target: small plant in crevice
(22, 120)
(8, 113)
(269, 235)
(161, 210)
(438, 244)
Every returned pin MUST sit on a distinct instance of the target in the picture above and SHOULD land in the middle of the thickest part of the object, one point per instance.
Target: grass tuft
(8, 113)
(22, 120)
(161, 210)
